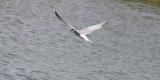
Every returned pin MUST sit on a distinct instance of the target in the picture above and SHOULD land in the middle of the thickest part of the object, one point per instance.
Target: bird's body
(83, 32)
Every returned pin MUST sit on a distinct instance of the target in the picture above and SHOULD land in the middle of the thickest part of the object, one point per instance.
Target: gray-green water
(35, 45)
(149, 2)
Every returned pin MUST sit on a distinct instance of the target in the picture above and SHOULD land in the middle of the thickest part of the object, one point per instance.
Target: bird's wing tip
(55, 12)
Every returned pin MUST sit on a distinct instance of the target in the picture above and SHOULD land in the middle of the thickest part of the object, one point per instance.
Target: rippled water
(150, 2)
(35, 45)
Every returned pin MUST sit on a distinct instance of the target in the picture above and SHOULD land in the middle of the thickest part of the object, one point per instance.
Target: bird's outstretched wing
(90, 29)
(59, 17)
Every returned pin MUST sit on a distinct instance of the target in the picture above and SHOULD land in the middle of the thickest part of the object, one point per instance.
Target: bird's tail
(89, 41)
(85, 37)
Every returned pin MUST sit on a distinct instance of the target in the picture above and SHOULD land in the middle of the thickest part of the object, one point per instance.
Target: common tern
(82, 33)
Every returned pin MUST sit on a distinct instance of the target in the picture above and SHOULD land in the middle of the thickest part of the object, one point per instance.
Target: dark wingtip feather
(56, 13)
(59, 16)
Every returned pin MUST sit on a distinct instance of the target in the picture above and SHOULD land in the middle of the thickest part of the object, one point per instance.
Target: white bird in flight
(83, 32)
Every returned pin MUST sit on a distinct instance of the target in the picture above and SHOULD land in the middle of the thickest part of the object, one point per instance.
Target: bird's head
(72, 30)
